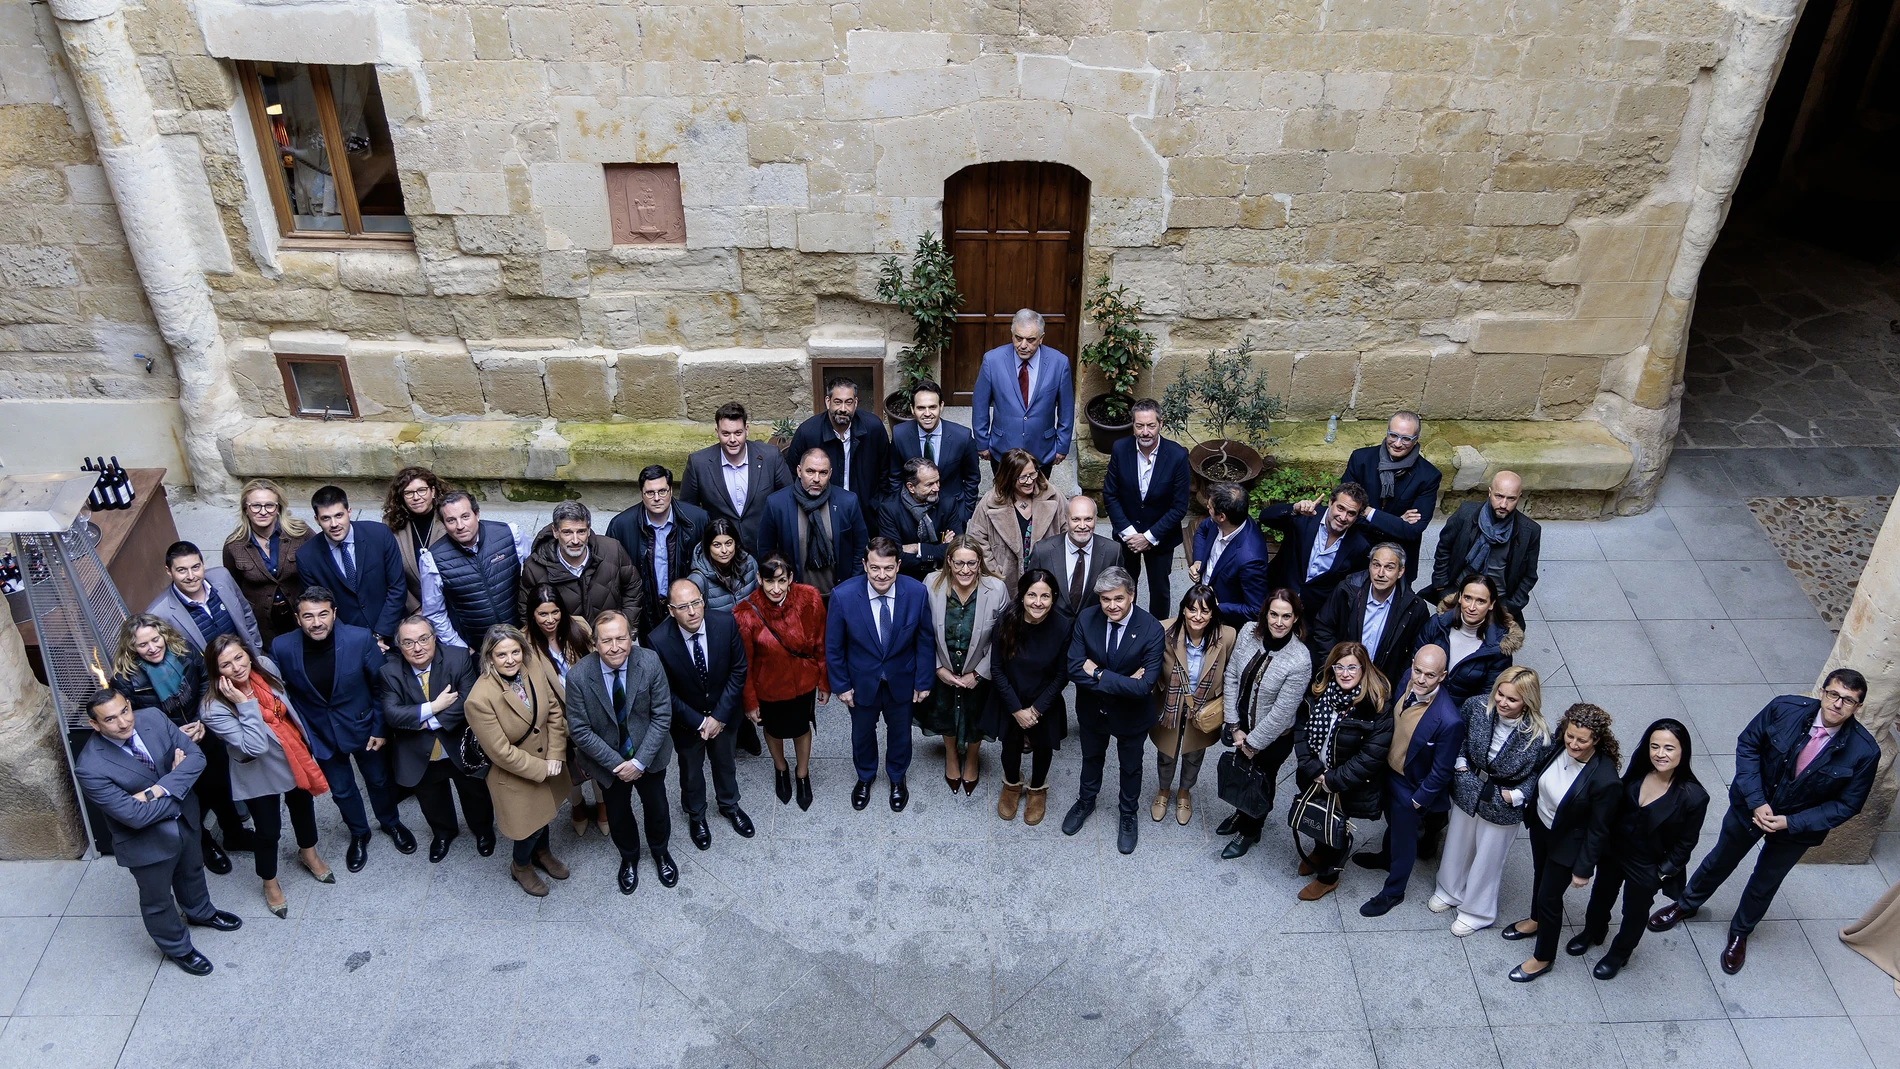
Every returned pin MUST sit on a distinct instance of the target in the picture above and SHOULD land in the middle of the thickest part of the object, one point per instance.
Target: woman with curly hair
(409, 507)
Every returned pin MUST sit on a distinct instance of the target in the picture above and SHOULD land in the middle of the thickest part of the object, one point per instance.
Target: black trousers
(378, 784)
(1739, 834)
(1128, 753)
(694, 754)
(435, 794)
(1549, 881)
(269, 816)
(1040, 755)
(214, 788)
(168, 886)
(1636, 902)
(1158, 562)
(1269, 761)
(621, 823)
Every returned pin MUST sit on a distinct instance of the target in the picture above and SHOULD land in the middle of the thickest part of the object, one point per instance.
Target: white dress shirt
(1554, 784)
(1214, 554)
(1144, 475)
(434, 609)
(1069, 552)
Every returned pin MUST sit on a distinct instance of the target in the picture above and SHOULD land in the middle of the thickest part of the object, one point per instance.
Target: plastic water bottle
(1332, 426)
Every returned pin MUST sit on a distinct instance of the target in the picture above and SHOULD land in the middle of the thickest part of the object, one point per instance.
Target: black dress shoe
(1581, 942)
(1519, 976)
(1735, 954)
(740, 823)
(629, 875)
(669, 872)
(1226, 827)
(358, 854)
(1511, 933)
(439, 848)
(900, 796)
(782, 785)
(1078, 815)
(700, 833)
(861, 794)
(1238, 847)
(194, 963)
(804, 792)
(485, 842)
(399, 834)
(1379, 905)
(220, 921)
(1372, 859)
(1607, 969)
(1125, 840)
(216, 860)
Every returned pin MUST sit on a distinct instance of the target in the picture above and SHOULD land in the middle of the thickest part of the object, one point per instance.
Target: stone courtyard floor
(838, 938)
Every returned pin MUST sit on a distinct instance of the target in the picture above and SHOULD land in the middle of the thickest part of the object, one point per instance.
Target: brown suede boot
(529, 879)
(1007, 800)
(1035, 804)
(1316, 890)
(545, 860)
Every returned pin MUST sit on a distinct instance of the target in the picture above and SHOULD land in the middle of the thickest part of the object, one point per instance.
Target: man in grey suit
(203, 603)
(138, 769)
(733, 479)
(1077, 556)
(619, 712)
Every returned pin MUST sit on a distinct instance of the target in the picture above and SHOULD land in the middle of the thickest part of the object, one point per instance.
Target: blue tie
(699, 659)
(349, 564)
(883, 620)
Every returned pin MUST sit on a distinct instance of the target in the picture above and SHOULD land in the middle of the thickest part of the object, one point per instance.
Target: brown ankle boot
(1316, 890)
(545, 860)
(1035, 804)
(529, 879)
(1007, 800)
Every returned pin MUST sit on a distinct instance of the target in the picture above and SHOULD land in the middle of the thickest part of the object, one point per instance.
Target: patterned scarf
(1332, 707)
(1389, 470)
(1179, 692)
(1491, 532)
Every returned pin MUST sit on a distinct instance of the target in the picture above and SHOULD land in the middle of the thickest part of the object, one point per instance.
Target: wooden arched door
(1015, 230)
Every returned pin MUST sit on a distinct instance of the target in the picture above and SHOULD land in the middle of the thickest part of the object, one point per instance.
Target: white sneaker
(1437, 904)
(1460, 929)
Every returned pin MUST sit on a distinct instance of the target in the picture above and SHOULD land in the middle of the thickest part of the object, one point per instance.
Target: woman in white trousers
(1505, 738)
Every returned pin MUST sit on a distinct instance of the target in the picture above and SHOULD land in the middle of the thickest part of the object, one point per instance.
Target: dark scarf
(920, 515)
(1492, 532)
(820, 555)
(1389, 470)
(1328, 711)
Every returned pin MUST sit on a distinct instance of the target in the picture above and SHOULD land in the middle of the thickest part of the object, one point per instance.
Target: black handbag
(1243, 785)
(468, 749)
(1318, 814)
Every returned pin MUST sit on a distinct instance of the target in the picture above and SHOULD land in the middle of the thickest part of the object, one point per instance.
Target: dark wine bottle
(95, 500)
(121, 486)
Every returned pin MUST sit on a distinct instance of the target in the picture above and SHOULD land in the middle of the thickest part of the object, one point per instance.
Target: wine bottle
(94, 500)
(121, 486)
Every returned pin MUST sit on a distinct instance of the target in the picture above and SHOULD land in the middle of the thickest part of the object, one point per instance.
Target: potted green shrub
(1122, 352)
(928, 294)
(782, 430)
(1226, 394)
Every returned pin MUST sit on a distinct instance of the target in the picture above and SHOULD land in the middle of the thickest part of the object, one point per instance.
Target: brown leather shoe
(1035, 804)
(529, 879)
(1007, 799)
(545, 860)
(1668, 917)
(1735, 954)
(1183, 807)
(1160, 807)
(1305, 869)
(1316, 890)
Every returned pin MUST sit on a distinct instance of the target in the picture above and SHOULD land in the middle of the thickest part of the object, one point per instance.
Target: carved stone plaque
(643, 200)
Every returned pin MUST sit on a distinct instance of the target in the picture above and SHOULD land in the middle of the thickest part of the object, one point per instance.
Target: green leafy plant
(1291, 482)
(1227, 393)
(1123, 351)
(928, 294)
(784, 427)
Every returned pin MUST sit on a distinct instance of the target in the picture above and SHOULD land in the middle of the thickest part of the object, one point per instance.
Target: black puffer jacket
(1356, 772)
(180, 707)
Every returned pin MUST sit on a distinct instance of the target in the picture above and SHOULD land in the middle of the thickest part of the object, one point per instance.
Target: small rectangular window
(644, 202)
(317, 387)
(327, 155)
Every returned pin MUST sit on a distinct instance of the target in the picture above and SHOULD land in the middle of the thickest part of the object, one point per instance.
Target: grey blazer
(258, 765)
(1050, 553)
(166, 607)
(1475, 788)
(1278, 692)
(144, 833)
(593, 731)
(991, 600)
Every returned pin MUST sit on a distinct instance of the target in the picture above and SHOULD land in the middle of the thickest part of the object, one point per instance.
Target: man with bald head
(1401, 488)
(1076, 556)
(1428, 732)
(1490, 538)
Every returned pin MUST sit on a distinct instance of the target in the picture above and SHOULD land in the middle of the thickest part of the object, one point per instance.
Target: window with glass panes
(328, 159)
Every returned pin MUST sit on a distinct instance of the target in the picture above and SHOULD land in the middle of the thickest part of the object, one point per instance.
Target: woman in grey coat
(1265, 681)
(1505, 739)
(270, 758)
(724, 572)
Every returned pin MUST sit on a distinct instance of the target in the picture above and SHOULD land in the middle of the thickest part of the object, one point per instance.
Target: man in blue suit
(949, 446)
(814, 506)
(1317, 551)
(1146, 493)
(1114, 661)
(881, 659)
(1024, 397)
(1230, 555)
(138, 768)
(1428, 734)
(1802, 768)
(333, 674)
(359, 562)
(1401, 488)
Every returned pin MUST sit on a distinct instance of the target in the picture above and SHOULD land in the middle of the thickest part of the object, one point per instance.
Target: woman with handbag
(964, 603)
(1026, 706)
(782, 626)
(1267, 675)
(1506, 737)
(1340, 742)
(1189, 695)
(1651, 837)
(516, 711)
(1572, 799)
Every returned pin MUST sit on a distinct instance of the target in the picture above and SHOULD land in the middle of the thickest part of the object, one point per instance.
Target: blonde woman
(261, 554)
(964, 605)
(1506, 738)
(517, 714)
(1020, 509)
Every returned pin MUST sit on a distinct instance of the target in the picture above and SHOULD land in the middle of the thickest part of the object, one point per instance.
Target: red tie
(1022, 381)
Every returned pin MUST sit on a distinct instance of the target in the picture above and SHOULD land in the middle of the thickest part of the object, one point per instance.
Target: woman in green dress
(964, 604)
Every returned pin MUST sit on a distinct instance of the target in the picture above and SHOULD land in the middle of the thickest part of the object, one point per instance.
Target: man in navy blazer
(138, 769)
(1318, 551)
(1146, 493)
(813, 502)
(333, 674)
(1802, 768)
(1024, 397)
(950, 446)
(359, 563)
(919, 518)
(1428, 734)
(1401, 488)
(1114, 662)
(705, 675)
(881, 659)
(1230, 555)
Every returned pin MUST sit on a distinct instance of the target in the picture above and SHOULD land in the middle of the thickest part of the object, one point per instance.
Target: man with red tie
(1024, 397)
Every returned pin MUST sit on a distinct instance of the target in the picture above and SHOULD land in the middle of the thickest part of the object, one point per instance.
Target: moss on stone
(615, 452)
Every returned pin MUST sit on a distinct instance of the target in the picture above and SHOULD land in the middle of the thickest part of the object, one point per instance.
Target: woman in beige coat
(1193, 667)
(1020, 509)
(515, 710)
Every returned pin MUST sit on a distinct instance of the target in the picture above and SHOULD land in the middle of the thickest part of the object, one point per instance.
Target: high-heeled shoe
(281, 910)
(782, 784)
(969, 785)
(803, 790)
(955, 783)
(326, 876)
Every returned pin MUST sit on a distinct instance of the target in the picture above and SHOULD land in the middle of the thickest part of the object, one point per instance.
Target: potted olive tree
(1227, 394)
(1122, 352)
(928, 294)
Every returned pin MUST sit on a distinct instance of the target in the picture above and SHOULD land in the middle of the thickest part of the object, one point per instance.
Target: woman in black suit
(1657, 823)
(1573, 797)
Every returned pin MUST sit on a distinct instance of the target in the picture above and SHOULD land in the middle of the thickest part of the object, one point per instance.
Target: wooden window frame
(293, 398)
(822, 368)
(353, 235)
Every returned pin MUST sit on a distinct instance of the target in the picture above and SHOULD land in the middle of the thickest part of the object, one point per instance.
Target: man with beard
(1401, 488)
(816, 524)
(854, 440)
(918, 518)
(1493, 539)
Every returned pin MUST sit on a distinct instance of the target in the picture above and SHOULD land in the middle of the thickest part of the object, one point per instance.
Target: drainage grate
(932, 1039)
